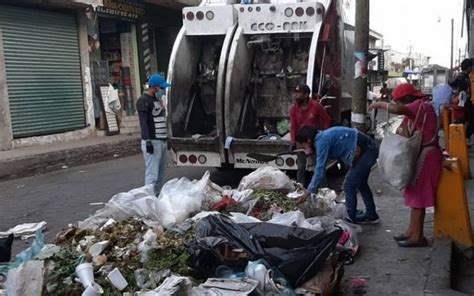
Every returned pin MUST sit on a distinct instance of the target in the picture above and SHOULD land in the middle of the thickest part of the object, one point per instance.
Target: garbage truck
(233, 70)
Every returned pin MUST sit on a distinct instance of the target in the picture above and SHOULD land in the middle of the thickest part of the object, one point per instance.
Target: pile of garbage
(196, 238)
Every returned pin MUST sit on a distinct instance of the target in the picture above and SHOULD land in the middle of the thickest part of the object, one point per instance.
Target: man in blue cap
(152, 116)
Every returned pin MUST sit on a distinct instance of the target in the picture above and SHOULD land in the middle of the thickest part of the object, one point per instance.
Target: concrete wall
(5, 119)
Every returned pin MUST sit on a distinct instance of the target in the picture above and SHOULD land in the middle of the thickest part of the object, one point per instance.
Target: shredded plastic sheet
(24, 229)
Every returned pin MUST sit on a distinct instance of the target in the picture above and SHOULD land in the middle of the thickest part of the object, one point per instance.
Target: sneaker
(363, 219)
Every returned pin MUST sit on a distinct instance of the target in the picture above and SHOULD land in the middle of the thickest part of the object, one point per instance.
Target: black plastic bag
(296, 253)
(202, 254)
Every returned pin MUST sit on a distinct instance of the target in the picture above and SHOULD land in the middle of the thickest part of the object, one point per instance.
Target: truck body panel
(232, 77)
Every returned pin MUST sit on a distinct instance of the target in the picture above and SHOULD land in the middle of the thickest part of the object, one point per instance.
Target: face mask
(160, 93)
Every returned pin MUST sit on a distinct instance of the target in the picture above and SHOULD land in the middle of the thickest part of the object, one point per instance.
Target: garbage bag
(202, 254)
(266, 178)
(297, 253)
(179, 198)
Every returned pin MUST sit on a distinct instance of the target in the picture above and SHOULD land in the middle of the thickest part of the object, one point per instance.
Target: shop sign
(130, 9)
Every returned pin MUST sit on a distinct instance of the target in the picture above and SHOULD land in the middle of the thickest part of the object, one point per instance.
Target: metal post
(359, 91)
(452, 43)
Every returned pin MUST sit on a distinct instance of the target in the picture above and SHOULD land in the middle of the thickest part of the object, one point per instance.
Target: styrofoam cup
(85, 273)
(93, 290)
(117, 280)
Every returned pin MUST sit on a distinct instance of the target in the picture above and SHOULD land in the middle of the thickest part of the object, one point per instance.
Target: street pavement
(65, 196)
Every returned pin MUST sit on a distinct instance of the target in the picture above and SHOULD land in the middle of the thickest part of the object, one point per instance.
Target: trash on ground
(197, 238)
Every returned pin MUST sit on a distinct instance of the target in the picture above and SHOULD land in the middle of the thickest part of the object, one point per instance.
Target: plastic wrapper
(294, 218)
(179, 198)
(240, 218)
(266, 178)
(148, 243)
(174, 286)
(228, 287)
(294, 252)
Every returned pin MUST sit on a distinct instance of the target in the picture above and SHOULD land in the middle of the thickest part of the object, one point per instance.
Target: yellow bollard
(452, 217)
(446, 121)
(458, 147)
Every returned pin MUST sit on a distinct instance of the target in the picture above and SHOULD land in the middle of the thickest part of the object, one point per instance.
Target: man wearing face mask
(305, 112)
(152, 116)
(358, 151)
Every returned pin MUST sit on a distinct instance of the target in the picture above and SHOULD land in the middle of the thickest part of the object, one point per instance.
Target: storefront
(41, 65)
(113, 53)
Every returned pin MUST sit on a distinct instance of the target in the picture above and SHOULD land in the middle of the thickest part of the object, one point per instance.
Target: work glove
(149, 147)
(292, 148)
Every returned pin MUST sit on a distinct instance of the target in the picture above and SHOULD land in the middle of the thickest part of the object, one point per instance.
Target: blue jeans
(357, 180)
(155, 164)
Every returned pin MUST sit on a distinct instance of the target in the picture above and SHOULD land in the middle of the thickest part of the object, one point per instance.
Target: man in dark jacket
(152, 116)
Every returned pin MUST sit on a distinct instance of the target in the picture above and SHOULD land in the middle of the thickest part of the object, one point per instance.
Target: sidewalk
(33, 160)
(391, 270)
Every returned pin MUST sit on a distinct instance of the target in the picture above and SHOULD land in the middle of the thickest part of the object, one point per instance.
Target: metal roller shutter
(43, 70)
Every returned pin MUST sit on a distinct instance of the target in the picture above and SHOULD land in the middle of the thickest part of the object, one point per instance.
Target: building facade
(58, 57)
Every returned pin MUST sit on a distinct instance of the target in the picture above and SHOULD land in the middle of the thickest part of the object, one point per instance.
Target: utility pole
(359, 87)
(452, 43)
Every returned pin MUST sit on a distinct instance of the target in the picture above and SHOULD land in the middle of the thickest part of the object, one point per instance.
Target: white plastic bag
(295, 218)
(266, 178)
(27, 279)
(137, 202)
(179, 198)
(113, 101)
(397, 158)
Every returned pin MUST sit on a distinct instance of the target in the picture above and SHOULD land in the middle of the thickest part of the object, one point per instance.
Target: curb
(55, 160)
(439, 273)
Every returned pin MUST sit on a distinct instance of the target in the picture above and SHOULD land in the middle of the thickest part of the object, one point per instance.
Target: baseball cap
(404, 90)
(303, 88)
(158, 80)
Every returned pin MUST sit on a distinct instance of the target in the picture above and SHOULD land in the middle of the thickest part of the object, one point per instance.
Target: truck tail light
(290, 162)
(319, 10)
(289, 12)
(299, 11)
(190, 16)
(279, 161)
(202, 159)
(210, 15)
(310, 11)
(183, 158)
(200, 15)
(192, 158)
(242, 9)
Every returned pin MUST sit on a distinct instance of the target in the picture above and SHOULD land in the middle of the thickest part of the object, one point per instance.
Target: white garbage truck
(232, 70)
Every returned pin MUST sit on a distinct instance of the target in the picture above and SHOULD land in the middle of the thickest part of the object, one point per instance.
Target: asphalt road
(65, 196)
